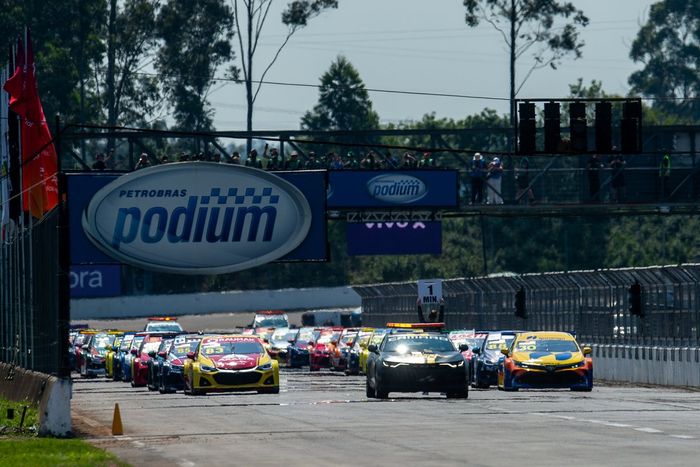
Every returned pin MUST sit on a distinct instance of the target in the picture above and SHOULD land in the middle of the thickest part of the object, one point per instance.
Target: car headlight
(453, 364)
(207, 368)
(265, 367)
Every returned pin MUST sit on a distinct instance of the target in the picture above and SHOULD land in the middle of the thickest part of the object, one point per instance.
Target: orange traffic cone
(117, 428)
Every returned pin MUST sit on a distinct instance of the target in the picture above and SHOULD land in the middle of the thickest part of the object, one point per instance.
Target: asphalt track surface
(325, 418)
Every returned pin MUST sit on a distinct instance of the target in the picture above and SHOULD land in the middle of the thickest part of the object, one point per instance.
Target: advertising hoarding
(197, 218)
(397, 189)
(394, 238)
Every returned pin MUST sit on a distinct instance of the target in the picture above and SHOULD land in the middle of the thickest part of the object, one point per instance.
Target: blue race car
(118, 359)
(489, 357)
(155, 364)
(129, 356)
(170, 378)
(299, 347)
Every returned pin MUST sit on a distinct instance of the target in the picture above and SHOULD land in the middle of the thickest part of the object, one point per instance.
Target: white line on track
(682, 437)
(648, 430)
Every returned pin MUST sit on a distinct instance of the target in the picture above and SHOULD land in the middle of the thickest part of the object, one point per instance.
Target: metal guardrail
(594, 304)
(29, 332)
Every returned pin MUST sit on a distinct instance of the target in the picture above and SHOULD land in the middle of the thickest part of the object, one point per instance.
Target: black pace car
(415, 362)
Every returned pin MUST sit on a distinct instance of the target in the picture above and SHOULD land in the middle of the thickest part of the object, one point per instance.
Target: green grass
(42, 452)
(31, 418)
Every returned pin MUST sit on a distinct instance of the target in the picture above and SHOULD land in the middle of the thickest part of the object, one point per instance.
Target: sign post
(430, 291)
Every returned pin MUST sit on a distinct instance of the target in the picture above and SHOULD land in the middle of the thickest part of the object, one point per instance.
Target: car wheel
(370, 390)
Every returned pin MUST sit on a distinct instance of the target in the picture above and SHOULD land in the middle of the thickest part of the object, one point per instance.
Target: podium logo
(197, 218)
(397, 188)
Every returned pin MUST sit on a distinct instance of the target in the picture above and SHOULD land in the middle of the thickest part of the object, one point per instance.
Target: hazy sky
(422, 45)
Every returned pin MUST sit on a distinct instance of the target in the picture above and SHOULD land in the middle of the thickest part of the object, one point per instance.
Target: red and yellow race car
(546, 359)
(230, 363)
(320, 355)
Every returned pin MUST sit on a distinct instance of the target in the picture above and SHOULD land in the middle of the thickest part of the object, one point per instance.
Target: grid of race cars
(397, 358)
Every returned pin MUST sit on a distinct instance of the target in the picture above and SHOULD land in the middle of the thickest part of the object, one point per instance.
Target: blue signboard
(95, 281)
(396, 189)
(82, 188)
(394, 238)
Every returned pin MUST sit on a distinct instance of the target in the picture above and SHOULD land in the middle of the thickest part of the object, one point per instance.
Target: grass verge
(19, 445)
(33, 451)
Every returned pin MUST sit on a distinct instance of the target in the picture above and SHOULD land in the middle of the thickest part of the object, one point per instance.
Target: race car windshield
(101, 341)
(271, 322)
(163, 326)
(227, 348)
(418, 344)
(348, 338)
(546, 345)
(148, 346)
(180, 350)
(126, 343)
(305, 337)
(377, 338)
(137, 342)
(328, 337)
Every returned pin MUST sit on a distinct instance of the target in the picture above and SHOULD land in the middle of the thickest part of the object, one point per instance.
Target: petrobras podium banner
(396, 189)
(103, 280)
(197, 217)
(394, 238)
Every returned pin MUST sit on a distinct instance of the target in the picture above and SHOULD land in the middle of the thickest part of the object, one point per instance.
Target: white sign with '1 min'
(430, 291)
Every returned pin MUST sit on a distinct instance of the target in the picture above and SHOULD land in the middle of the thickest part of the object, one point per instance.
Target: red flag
(39, 183)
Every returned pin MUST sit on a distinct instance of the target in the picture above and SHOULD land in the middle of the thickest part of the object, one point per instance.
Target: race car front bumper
(236, 380)
(427, 378)
(552, 377)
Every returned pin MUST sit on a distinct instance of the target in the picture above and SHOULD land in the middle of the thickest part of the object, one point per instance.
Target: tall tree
(196, 40)
(531, 26)
(129, 97)
(250, 17)
(668, 46)
(343, 102)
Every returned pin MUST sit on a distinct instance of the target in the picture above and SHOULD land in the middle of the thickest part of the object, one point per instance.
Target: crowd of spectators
(271, 159)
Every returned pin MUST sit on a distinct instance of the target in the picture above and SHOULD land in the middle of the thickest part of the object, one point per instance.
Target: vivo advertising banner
(394, 238)
(197, 217)
(429, 188)
(95, 281)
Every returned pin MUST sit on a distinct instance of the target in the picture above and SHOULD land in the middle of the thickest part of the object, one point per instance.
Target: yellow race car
(546, 359)
(226, 363)
(375, 339)
(109, 356)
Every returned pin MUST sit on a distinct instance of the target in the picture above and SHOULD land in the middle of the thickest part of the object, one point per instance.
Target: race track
(325, 419)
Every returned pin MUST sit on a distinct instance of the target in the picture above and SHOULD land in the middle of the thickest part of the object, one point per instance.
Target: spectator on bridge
(369, 162)
(312, 163)
(409, 161)
(336, 162)
(294, 163)
(494, 176)
(522, 180)
(252, 160)
(617, 164)
(665, 176)
(351, 161)
(235, 158)
(593, 167)
(477, 172)
(427, 162)
(142, 162)
(100, 162)
(390, 161)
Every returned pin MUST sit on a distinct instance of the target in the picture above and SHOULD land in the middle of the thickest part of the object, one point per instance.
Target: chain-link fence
(594, 304)
(29, 333)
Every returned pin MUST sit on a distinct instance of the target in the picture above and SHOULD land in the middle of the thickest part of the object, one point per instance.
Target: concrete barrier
(50, 394)
(665, 366)
(214, 302)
